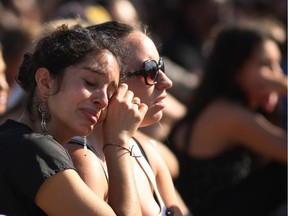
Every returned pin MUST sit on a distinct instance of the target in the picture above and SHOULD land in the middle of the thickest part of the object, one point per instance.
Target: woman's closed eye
(89, 83)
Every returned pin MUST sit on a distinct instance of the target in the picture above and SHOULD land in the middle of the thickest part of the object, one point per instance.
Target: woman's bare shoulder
(227, 111)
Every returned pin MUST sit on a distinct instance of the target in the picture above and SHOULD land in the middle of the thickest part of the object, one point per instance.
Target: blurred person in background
(123, 11)
(232, 157)
(191, 28)
(19, 25)
(16, 41)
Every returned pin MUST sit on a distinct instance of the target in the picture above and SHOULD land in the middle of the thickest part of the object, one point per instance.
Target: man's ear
(44, 81)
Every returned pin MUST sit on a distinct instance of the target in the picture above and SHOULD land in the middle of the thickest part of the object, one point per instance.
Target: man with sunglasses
(143, 71)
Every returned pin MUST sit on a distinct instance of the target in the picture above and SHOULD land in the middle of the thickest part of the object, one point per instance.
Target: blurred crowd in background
(182, 29)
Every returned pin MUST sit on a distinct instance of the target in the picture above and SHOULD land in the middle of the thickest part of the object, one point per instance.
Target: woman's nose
(163, 81)
(100, 98)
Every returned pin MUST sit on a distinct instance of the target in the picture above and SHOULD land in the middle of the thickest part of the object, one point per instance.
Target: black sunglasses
(150, 71)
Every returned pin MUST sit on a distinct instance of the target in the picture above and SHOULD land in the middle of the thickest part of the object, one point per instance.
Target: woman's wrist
(118, 147)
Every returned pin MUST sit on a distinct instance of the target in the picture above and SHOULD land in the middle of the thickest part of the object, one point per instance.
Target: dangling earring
(85, 145)
(43, 109)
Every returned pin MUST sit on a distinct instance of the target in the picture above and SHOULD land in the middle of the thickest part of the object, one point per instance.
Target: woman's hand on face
(124, 116)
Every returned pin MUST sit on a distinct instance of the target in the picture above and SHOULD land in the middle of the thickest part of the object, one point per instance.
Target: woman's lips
(91, 115)
(161, 102)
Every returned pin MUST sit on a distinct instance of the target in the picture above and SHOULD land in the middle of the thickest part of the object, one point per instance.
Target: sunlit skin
(154, 96)
(4, 88)
(83, 95)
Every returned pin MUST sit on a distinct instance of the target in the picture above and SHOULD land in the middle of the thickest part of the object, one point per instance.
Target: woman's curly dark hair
(62, 47)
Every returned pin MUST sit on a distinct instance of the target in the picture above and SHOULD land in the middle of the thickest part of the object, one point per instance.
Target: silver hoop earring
(43, 109)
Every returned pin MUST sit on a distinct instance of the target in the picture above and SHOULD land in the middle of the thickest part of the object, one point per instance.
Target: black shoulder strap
(141, 149)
